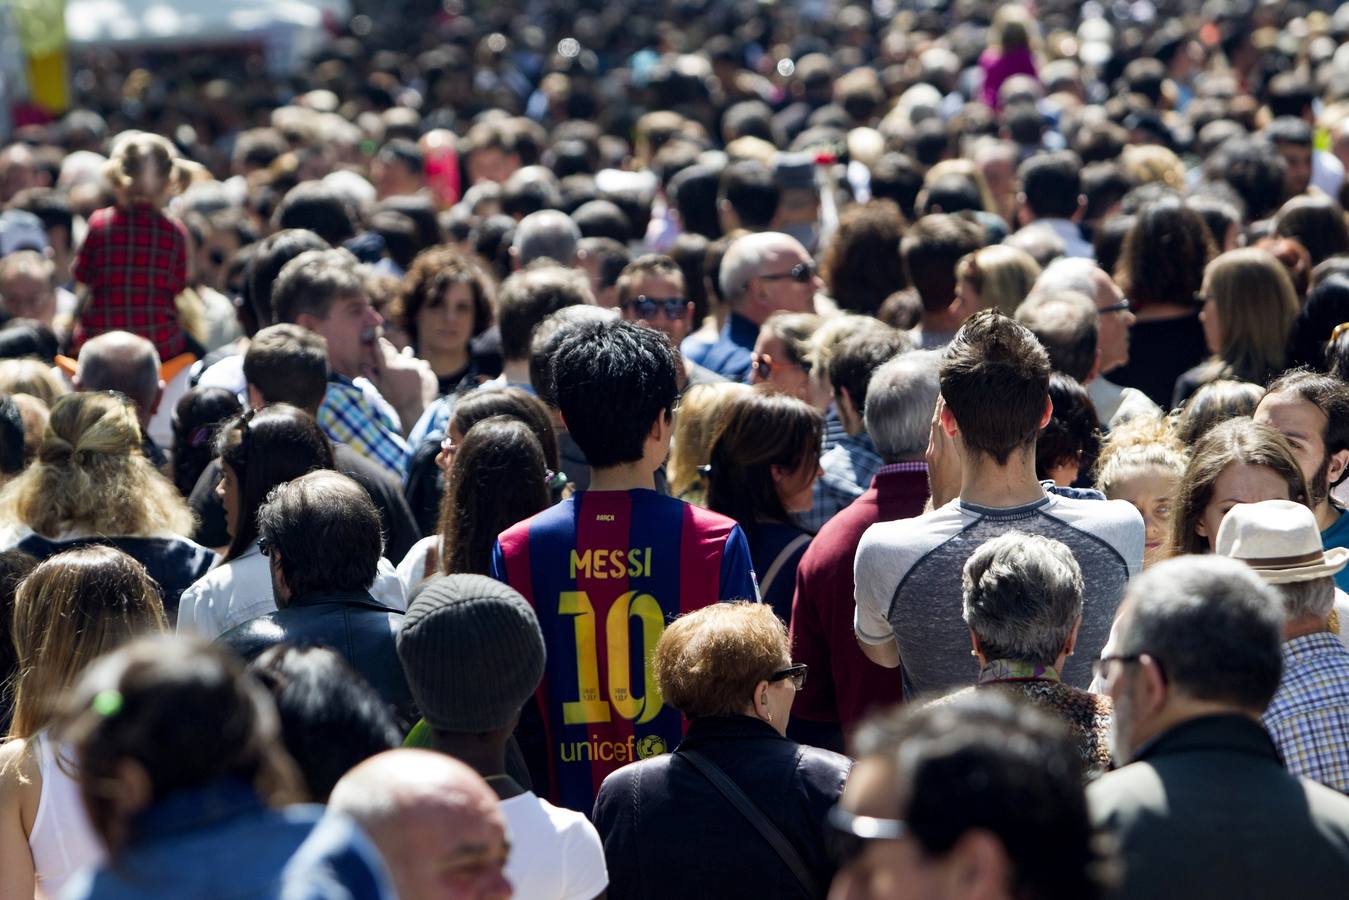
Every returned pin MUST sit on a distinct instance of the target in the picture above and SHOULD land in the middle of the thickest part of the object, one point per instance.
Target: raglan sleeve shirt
(738, 581)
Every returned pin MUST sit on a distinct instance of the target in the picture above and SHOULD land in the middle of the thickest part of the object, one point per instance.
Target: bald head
(435, 821)
(549, 234)
(121, 361)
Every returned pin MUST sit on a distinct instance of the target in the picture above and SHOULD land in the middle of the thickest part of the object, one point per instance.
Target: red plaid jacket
(134, 261)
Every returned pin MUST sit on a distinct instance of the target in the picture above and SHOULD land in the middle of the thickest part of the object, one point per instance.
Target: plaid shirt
(134, 261)
(848, 467)
(364, 421)
(1309, 716)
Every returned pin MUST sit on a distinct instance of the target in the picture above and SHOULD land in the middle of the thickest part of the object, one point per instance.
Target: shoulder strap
(783, 555)
(762, 824)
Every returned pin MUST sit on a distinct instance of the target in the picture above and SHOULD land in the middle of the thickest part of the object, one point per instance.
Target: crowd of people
(772, 450)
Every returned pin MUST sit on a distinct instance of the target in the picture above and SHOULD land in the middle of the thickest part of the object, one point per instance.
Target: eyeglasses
(796, 673)
(763, 364)
(801, 272)
(1098, 667)
(1122, 306)
(848, 835)
(647, 307)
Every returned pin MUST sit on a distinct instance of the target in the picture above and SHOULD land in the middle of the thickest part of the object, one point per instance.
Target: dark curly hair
(861, 264)
(428, 280)
(1164, 254)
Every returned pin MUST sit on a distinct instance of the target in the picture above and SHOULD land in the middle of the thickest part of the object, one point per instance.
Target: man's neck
(516, 371)
(942, 320)
(625, 477)
(1327, 514)
(1305, 625)
(985, 483)
(486, 755)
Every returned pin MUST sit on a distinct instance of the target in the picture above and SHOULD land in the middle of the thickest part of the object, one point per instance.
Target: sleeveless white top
(62, 841)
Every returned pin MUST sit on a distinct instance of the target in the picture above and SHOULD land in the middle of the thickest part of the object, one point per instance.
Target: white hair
(1067, 274)
(900, 398)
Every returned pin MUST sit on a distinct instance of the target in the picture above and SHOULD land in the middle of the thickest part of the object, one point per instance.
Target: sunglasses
(801, 273)
(1122, 306)
(645, 307)
(796, 673)
(847, 835)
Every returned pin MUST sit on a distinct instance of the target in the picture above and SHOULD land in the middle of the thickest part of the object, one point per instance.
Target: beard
(1319, 485)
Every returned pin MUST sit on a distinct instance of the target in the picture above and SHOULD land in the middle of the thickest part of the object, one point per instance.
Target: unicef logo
(649, 746)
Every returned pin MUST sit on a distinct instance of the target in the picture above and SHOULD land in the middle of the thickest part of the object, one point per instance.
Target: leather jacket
(350, 623)
(669, 833)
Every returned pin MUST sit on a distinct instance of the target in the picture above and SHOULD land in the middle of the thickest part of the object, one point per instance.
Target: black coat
(1208, 810)
(668, 832)
(352, 624)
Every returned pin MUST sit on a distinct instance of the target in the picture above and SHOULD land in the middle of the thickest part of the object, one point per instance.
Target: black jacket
(1208, 810)
(668, 832)
(352, 624)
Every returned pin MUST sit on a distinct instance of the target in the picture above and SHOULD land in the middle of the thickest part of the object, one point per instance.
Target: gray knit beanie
(473, 652)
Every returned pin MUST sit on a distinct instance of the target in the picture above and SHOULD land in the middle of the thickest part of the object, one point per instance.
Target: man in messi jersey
(606, 570)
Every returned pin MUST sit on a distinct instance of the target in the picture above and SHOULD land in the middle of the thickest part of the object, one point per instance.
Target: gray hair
(548, 234)
(1312, 599)
(901, 396)
(1068, 325)
(120, 361)
(1212, 624)
(1023, 594)
(743, 260)
(1067, 274)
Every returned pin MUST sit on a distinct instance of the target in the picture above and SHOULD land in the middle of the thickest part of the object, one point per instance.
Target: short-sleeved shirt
(605, 571)
(1337, 535)
(134, 261)
(908, 577)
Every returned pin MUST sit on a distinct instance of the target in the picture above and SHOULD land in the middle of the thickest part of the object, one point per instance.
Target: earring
(770, 716)
(974, 653)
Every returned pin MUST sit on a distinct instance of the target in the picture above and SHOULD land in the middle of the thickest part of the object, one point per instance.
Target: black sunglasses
(1099, 666)
(647, 307)
(796, 673)
(801, 272)
(848, 835)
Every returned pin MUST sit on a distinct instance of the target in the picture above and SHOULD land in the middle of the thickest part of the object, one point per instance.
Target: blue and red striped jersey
(605, 571)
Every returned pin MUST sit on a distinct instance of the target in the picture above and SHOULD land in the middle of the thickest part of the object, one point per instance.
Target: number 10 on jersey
(592, 706)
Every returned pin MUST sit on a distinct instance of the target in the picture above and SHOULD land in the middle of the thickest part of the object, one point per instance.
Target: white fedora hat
(1279, 539)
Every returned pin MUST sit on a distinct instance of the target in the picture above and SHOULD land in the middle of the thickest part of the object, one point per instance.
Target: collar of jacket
(1224, 732)
(196, 808)
(340, 598)
(721, 728)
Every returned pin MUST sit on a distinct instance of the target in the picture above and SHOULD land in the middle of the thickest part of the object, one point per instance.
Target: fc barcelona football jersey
(605, 572)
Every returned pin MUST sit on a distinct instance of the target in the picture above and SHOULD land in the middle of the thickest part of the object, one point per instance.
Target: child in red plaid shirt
(134, 259)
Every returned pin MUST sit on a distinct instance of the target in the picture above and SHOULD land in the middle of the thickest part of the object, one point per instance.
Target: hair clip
(107, 703)
(556, 480)
(200, 436)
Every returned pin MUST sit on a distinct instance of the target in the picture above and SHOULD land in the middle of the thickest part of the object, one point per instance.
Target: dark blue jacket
(352, 624)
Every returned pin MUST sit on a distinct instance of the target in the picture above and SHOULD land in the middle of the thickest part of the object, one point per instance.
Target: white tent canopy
(281, 25)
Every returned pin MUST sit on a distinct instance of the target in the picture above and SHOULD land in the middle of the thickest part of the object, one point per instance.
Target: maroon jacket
(843, 685)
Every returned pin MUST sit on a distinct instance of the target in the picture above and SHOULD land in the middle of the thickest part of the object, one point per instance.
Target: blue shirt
(848, 468)
(1337, 535)
(220, 840)
(729, 355)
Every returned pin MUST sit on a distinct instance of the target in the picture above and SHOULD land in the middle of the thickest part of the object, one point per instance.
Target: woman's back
(646, 812)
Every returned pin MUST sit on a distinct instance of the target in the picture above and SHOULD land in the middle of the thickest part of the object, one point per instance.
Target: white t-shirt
(412, 570)
(556, 854)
